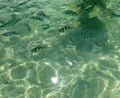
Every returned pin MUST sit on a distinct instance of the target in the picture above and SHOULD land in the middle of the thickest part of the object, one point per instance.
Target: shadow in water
(91, 32)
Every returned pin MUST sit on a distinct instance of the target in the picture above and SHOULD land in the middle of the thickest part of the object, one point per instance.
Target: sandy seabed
(59, 49)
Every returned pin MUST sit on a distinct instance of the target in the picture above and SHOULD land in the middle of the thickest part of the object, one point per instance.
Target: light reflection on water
(71, 53)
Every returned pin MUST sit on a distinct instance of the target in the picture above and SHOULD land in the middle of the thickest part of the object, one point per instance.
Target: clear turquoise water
(59, 49)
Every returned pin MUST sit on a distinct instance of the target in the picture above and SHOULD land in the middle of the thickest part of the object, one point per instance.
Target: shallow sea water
(59, 49)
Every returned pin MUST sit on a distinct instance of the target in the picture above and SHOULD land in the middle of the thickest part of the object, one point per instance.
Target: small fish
(18, 9)
(63, 28)
(70, 12)
(2, 6)
(3, 25)
(88, 6)
(115, 15)
(13, 21)
(33, 5)
(37, 18)
(28, 27)
(10, 22)
(9, 33)
(45, 26)
(1, 22)
(42, 14)
(37, 48)
(23, 3)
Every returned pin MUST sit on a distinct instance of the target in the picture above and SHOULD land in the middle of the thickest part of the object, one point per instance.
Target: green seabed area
(59, 49)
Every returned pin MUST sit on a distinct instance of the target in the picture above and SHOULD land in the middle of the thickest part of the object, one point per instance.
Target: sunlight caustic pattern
(59, 49)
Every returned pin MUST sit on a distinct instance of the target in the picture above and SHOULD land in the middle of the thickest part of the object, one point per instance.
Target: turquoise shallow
(59, 49)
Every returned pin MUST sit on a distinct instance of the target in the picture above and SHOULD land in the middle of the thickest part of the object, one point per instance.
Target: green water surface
(59, 49)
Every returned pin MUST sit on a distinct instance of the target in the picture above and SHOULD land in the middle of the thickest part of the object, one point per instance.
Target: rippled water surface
(59, 49)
